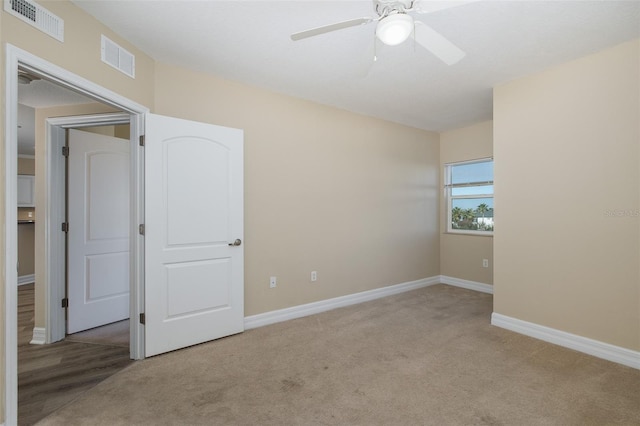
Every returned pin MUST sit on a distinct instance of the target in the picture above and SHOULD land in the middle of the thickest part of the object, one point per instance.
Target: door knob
(237, 242)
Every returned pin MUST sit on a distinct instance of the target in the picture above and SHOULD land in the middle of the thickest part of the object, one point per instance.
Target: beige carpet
(114, 334)
(426, 357)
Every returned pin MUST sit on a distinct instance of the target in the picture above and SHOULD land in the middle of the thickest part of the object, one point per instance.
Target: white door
(98, 236)
(194, 262)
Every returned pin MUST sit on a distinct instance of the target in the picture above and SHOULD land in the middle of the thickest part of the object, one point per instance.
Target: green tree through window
(469, 192)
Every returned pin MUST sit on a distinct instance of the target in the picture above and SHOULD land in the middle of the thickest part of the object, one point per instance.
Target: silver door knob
(236, 242)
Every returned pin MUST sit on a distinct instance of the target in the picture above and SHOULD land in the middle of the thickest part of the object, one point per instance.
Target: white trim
(280, 315)
(27, 156)
(572, 341)
(11, 237)
(448, 186)
(470, 285)
(475, 160)
(26, 279)
(39, 336)
(91, 120)
(54, 211)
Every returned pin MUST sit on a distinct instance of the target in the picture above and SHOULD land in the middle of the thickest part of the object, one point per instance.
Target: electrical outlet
(485, 263)
(314, 276)
(273, 282)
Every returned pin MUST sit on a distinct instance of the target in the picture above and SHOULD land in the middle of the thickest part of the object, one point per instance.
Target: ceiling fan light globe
(394, 29)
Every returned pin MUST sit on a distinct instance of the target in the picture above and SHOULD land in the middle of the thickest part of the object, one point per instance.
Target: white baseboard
(581, 344)
(26, 279)
(267, 318)
(470, 285)
(39, 336)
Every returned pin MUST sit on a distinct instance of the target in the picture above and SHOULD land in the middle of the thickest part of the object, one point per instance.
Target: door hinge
(65, 151)
(141, 140)
(141, 229)
(65, 226)
(143, 318)
(65, 302)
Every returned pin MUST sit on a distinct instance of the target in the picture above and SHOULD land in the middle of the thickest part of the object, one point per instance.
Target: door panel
(98, 237)
(185, 199)
(183, 280)
(109, 275)
(194, 280)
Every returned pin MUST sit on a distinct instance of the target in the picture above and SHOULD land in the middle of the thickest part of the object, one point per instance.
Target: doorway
(58, 213)
(19, 59)
(194, 261)
(51, 375)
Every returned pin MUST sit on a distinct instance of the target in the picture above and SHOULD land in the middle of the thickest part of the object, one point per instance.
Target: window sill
(470, 234)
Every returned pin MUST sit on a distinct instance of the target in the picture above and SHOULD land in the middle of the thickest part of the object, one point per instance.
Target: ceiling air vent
(118, 57)
(36, 15)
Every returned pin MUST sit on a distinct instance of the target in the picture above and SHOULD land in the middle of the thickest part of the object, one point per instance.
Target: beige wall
(26, 166)
(351, 197)
(567, 161)
(122, 131)
(25, 249)
(461, 255)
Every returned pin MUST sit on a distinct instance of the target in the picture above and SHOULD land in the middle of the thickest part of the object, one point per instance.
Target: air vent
(118, 57)
(36, 15)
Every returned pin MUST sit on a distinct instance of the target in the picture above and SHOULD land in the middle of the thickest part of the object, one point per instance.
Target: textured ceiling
(43, 94)
(248, 41)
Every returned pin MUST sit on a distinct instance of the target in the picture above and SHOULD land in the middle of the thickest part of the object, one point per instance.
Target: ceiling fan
(26, 78)
(395, 24)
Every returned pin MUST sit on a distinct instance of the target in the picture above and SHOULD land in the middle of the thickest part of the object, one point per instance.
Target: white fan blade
(429, 6)
(328, 28)
(437, 44)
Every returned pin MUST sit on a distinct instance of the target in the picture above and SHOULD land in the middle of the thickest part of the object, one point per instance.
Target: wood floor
(50, 376)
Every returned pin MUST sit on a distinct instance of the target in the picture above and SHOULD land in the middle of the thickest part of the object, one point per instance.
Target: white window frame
(448, 186)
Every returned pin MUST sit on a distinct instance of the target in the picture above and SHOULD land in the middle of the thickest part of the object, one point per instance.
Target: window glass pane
(472, 172)
(474, 214)
(472, 190)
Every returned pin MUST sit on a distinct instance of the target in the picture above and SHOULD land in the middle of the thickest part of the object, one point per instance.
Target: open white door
(194, 261)
(98, 236)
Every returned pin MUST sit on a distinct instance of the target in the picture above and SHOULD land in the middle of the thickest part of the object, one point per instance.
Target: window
(469, 193)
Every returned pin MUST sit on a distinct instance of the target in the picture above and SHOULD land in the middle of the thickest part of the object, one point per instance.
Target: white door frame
(16, 57)
(55, 328)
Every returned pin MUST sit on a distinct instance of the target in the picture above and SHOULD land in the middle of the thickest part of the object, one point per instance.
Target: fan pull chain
(414, 37)
(375, 55)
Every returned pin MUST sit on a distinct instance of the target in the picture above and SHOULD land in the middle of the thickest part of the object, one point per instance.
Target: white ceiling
(248, 41)
(39, 94)
(43, 94)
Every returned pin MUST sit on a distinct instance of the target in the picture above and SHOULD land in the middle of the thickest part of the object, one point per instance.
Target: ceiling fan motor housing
(386, 7)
